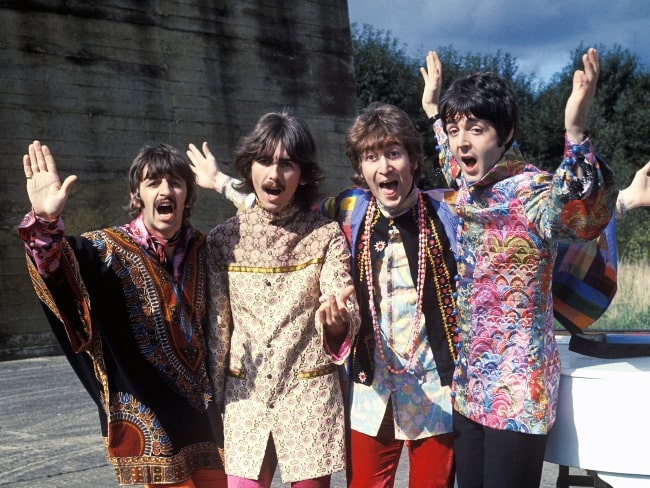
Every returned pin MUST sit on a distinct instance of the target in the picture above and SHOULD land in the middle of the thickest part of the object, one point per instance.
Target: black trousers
(489, 458)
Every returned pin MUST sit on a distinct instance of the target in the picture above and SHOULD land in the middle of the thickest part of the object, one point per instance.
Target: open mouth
(388, 185)
(469, 162)
(275, 191)
(165, 208)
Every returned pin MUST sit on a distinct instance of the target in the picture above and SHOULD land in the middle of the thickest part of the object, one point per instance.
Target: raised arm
(46, 193)
(205, 167)
(432, 76)
(637, 194)
(209, 175)
(582, 94)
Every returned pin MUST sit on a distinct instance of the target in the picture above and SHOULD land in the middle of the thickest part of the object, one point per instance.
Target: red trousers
(372, 461)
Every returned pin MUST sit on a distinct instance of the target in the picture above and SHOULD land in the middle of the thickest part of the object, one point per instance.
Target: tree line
(619, 119)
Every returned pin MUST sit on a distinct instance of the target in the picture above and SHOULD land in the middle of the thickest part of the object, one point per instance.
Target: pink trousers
(202, 478)
(267, 470)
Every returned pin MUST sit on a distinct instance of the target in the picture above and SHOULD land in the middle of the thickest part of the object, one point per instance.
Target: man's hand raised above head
(46, 193)
(582, 95)
(206, 168)
(432, 76)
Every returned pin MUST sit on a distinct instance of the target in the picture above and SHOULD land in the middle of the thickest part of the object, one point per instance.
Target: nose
(165, 187)
(384, 164)
(274, 172)
(463, 140)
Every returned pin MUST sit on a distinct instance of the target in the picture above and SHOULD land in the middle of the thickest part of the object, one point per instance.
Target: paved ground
(49, 431)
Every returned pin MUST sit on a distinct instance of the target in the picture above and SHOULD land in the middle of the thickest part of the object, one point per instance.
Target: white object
(602, 419)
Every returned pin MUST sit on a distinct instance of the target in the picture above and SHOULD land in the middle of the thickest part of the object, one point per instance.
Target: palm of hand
(46, 193)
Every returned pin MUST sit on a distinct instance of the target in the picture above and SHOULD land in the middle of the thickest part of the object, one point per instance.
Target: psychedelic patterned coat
(268, 360)
(508, 371)
(134, 334)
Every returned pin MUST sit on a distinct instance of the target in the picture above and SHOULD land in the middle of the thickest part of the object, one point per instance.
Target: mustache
(273, 187)
(165, 201)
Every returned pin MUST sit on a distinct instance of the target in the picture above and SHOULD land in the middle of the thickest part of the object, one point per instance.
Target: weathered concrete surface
(96, 80)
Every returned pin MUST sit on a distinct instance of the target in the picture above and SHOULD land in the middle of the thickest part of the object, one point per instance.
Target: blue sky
(540, 34)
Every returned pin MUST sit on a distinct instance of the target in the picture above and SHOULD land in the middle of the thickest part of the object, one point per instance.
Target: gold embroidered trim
(304, 375)
(443, 292)
(134, 470)
(276, 269)
(235, 373)
(325, 370)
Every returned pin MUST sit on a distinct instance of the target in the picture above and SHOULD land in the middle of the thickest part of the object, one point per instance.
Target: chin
(390, 204)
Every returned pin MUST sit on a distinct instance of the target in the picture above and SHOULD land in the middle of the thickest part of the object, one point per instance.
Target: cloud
(542, 35)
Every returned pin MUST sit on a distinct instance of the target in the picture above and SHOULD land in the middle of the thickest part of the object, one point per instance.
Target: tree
(619, 120)
(384, 72)
(619, 123)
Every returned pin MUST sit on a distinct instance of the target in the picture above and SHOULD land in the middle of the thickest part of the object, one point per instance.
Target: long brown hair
(296, 138)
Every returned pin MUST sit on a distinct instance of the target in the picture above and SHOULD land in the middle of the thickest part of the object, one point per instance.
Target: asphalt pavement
(49, 431)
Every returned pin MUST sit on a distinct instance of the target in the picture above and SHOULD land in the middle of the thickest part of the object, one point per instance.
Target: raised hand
(46, 193)
(205, 167)
(584, 89)
(638, 193)
(432, 76)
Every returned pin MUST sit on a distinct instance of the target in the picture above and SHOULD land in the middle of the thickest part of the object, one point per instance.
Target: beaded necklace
(371, 217)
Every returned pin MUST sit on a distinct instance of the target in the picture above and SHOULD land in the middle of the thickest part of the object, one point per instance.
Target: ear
(135, 199)
(509, 138)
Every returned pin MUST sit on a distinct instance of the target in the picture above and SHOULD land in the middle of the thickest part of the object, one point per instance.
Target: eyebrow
(467, 119)
(167, 176)
(382, 147)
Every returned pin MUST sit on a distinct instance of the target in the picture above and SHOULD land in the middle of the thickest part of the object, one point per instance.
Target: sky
(540, 34)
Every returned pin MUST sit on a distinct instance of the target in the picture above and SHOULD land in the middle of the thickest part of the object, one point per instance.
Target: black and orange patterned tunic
(133, 330)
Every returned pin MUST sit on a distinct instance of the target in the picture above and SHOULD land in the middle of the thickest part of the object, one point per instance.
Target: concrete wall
(96, 80)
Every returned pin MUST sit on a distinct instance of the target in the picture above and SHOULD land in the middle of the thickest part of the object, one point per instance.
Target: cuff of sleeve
(32, 223)
(226, 183)
(621, 209)
(585, 140)
(338, 357)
